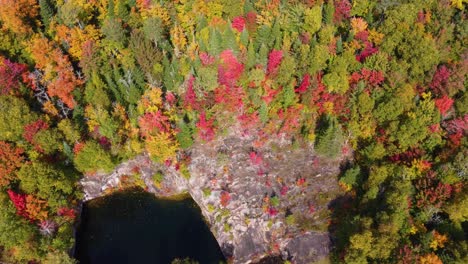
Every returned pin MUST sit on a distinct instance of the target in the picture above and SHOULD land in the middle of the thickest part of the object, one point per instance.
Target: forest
(87, 84)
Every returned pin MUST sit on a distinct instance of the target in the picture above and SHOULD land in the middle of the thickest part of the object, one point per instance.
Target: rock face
(271, 200)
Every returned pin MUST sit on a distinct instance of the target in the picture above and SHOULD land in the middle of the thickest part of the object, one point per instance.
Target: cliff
(269, 201)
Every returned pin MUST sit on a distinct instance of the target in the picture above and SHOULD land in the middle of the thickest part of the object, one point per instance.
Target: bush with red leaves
(225, 198)
(205, 128)
(284, 190)
(67, 212)
(256, 158)
(231, 97)
(272, 211)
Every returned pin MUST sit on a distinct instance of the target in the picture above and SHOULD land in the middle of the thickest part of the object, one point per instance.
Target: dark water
(136, 227)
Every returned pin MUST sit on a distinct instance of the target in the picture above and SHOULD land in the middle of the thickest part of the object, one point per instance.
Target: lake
(136, 227)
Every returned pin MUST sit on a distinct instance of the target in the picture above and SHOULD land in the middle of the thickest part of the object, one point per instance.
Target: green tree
(329, 137)
(47, 182)
(49, 140)
(14, 231)
(312, 19)
(47, 12)
(93, 158)
(14, 115)
(59, 257)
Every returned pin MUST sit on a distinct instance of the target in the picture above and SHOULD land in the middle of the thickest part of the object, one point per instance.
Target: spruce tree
(47, 12)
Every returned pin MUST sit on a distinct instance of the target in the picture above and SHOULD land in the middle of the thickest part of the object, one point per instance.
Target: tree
(14, 231)
(312, 19)
(92, 158)
(274, 60)
(14, 115)
(146, 54)
(444, 104)
(61, 257)
(230, 69)
(18, 15)
(31, 129)
(329, 138)
(36, 209)
(48, 141)
(11, 159)
(47, 182)
(19, 201)
(10, 76)
(59, 77)
(161, 147)
(70, 130)
(342, 10)
(46, 11)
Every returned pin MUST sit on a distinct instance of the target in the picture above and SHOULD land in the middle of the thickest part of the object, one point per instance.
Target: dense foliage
(85, 84)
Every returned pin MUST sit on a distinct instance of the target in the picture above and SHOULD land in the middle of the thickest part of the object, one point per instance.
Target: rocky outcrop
(271, 200)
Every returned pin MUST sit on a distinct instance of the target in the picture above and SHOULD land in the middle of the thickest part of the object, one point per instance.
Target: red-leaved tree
(31, 129)
(342, 10)
(238, 23)
(153, 123)
(430, 191)
(440, 80)
(444, 104)
(368, 50)
(230, 69)
(190, 98)
(10, 75)
(304, 84)
(230, 96)
(19, 201)
(274, 60)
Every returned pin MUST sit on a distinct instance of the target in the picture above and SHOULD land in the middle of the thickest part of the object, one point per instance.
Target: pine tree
(251, 56)
(215, 42)
(229, 40)
(47, 12)
(329, 137)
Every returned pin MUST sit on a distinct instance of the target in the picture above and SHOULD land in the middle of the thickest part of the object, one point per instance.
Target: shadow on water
(136, 227)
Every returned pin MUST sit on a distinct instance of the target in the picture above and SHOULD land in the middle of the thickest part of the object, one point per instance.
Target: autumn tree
(10, 76)
(11, 159)
(19, 15)
(59, 76)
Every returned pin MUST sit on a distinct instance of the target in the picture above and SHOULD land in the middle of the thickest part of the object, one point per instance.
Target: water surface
(136, 227)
